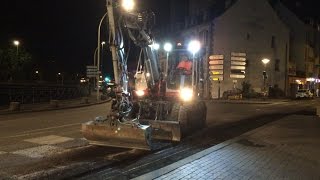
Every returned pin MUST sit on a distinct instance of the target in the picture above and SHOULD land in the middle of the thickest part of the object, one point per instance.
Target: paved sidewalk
(285, 149)
(63, 104)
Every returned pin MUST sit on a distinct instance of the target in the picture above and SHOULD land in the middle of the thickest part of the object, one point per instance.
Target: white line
(27, 134)
(43, 129)
(49, 140)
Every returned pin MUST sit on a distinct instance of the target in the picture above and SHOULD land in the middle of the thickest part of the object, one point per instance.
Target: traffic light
(107, 79)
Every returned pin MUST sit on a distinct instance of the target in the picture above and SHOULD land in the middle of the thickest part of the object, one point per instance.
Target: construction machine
(164, 102)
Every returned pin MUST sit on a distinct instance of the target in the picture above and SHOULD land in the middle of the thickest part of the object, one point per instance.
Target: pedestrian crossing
(49, 140)
(2, 152)
(45, 146)
(38, 152)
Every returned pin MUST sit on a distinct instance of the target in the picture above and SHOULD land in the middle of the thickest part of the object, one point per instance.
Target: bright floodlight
(128, 5)
(167, 47)
(103, 43)
(194, 46)
(16, 43)
(156, 46)
(265, 61)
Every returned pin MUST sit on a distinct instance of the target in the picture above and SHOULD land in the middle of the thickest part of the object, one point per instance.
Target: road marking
(26, 133)
(2, 152)
(49, 140)
(38, 152)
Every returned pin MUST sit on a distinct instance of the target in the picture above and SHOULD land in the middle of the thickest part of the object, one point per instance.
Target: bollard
(84, 100)
(54, 103)
(318, 111)
(14, 106)
(103, 97)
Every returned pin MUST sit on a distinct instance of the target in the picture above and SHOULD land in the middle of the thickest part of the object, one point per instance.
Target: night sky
(63, 32)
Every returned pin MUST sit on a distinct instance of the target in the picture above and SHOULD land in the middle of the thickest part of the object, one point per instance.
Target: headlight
(186, 94)
(140, 93)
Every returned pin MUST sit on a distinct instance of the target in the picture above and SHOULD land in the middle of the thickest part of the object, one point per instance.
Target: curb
(239, 102)
(53, 109)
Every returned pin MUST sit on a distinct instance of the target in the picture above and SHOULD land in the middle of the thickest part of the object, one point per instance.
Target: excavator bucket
(118, 134)
(165, 130)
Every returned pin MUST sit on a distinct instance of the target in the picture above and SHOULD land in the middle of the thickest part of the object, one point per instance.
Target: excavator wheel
(192, 117)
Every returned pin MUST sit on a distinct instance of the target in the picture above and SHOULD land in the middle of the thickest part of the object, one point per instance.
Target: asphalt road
(32, 142)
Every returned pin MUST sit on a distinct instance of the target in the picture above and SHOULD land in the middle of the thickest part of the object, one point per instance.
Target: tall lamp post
(60, 76)
(16, 43)
(265, 62)
(168, 48)
(98, 57)
(194, 47)
(95, 59)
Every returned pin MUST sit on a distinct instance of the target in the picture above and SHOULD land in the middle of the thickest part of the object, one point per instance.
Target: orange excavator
(164, 102)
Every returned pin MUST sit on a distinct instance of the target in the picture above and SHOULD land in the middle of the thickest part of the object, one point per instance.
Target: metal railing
(38, 93)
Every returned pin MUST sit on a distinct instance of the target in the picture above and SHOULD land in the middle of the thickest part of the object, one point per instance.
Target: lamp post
(168, 48)
(60, 75)
(16, 43)
(265, 62)
(98, 58)
(194, 47)
(37, 75)
(95, 59)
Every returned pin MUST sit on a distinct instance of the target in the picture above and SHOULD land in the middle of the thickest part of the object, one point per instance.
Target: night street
(54, 139)
(164, 90)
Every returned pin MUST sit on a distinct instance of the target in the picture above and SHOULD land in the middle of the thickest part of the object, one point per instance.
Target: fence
(37, 93)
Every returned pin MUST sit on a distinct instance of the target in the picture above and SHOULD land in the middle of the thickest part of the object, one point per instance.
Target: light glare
(194, 46)
(128, 5)
(156, 46)
(186, 94)
(16, 43)
(140, 93)
(167, 47)
(265, 61)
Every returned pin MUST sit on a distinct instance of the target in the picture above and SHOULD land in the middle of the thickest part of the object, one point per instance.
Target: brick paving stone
(285, 153)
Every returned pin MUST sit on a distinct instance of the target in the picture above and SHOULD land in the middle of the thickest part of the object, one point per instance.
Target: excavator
(164, 103)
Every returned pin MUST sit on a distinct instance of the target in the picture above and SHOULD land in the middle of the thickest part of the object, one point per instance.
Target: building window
(277, 65)
(273, 41)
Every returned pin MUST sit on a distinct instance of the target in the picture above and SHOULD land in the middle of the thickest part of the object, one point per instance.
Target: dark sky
(63, 31)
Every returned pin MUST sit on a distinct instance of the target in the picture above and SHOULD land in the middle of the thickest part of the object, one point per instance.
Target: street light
(98, 50)
(16, 43)
(168, 48)
(61, 76)
(102, 45)
(37, 77)
(128, 5)
(265, 61)
(194, 47)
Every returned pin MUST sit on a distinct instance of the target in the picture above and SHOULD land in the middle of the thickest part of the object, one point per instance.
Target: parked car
(304, 93)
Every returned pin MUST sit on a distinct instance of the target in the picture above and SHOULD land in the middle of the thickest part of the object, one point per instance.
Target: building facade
(252, 29)
(246, 32)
